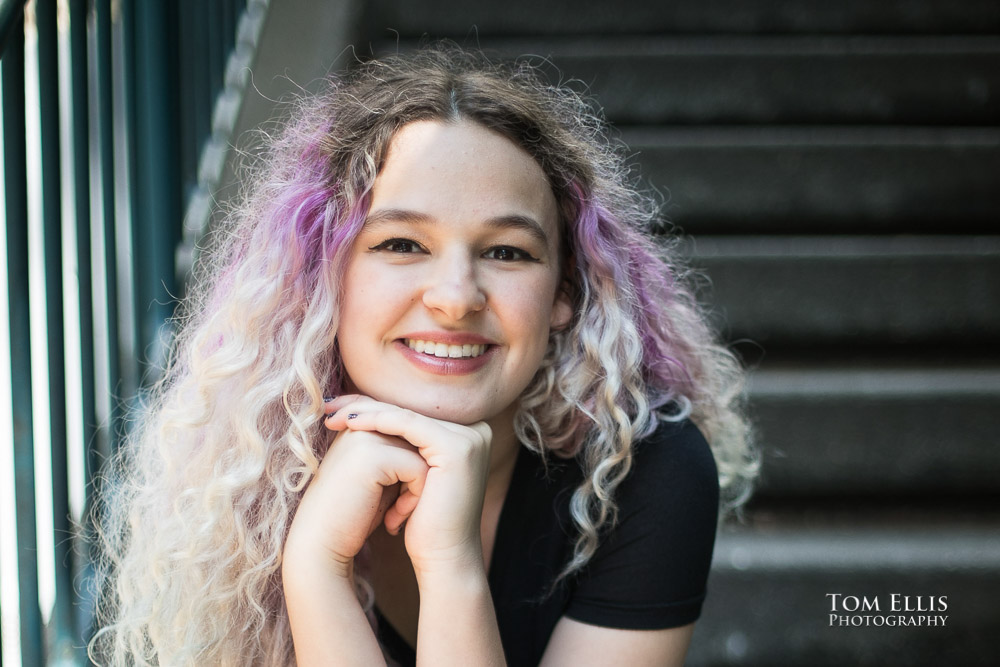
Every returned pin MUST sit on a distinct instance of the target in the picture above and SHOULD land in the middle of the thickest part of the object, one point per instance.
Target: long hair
(198, 504)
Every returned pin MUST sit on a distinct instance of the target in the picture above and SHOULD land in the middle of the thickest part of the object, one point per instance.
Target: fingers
(396, 470)
(358, 408)
(418, 430)
(400, 511)
(383, 459)
(332, 405)
(399, 465)
(460, 452)
(362, 477)
(387, 500)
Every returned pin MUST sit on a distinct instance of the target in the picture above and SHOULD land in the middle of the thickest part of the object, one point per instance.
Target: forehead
(462, 169)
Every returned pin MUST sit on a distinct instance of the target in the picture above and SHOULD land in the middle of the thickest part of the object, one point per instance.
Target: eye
(398, 246)
(506, 253)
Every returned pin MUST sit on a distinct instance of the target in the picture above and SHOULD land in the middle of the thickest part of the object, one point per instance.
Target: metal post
(156, 210)
(105, 130)
(81, 191)
(48, 77)
(11, 19)
(16, 193)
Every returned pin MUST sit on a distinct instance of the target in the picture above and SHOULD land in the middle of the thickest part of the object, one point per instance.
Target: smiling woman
(438, 396)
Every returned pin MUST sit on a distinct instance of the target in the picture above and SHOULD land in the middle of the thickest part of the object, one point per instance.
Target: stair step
(824, 179)
(878, 430)
(791, 79)
(467, 21)
(769, 598)
(860, 290)
(853, 290)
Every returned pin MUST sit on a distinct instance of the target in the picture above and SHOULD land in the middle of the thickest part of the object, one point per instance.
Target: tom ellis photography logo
(896, 610)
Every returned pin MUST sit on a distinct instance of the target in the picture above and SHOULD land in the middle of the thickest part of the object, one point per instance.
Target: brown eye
(506, 253)
(400, 246)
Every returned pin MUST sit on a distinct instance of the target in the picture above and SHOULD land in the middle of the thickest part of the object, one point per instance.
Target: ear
(562, 308)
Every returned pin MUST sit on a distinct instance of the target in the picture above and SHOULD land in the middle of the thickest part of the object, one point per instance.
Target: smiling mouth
(445, 350)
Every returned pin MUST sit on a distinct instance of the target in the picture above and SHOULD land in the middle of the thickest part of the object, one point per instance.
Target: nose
(453, 288)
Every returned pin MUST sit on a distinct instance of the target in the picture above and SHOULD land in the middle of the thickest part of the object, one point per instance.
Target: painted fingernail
(353, 415)
(328, 399)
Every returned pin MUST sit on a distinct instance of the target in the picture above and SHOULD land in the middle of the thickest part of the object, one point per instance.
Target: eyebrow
(510, 221)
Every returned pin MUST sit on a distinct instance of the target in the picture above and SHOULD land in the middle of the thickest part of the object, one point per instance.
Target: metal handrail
(123, 122)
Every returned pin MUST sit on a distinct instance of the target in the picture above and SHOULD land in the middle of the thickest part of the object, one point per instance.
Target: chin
(459, 406)
(450, 412)
(446, 408)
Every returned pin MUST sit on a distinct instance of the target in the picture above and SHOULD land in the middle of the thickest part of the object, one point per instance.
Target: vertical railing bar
(228, 35)
(193, 111)
(48, 78)
(81, 191)
(216, 47)
(81, 176)
(155, 218)
(126, 186)
(106, 139)
(16, 194)
(11, 17)
(203, 82)
(137, 195)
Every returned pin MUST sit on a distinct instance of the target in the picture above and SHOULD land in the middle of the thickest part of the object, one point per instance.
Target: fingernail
(328, 399)
(352, 415)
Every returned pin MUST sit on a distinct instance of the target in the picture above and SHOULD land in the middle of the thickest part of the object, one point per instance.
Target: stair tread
(823, 179)
(473, 21)
(944, 79)
(856, 290)
(850, 247)
(651, 46)
(868, 381)
(934, 545)
(720, 136)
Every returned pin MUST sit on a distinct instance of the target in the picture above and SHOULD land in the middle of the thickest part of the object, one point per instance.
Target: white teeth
(445, 350)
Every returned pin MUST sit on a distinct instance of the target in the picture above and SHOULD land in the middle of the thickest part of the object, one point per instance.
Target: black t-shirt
(649, 572)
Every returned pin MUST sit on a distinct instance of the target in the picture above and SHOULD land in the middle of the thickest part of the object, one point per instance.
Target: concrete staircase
(838, 164)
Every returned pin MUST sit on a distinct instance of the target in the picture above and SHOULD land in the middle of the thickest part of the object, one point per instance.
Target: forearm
(329, 627)
(458, 625)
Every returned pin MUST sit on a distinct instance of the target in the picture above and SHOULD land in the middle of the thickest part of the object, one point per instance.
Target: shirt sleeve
(651, 569)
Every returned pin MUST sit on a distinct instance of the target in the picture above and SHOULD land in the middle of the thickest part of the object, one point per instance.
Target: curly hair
(198, 503)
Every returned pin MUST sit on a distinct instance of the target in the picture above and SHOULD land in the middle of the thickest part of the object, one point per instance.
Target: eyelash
(388, 243)
(388, 246)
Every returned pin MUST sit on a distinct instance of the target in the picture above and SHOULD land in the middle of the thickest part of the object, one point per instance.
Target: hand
(443, 510)
(358, 485)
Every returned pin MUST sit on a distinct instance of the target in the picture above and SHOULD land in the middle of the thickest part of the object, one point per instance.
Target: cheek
(367, 293)
(529, 310)
(358, 314)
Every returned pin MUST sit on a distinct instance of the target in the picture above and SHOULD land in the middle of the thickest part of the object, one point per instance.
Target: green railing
(107, 107)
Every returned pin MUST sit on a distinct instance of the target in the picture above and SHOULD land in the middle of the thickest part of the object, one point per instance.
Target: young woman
(438, 396)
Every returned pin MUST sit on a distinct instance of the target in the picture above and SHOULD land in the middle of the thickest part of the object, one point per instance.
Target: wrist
(464, 593)
(464, 571)
(308, 560)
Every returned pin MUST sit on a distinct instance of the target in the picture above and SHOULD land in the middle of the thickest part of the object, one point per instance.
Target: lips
(446, 352)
